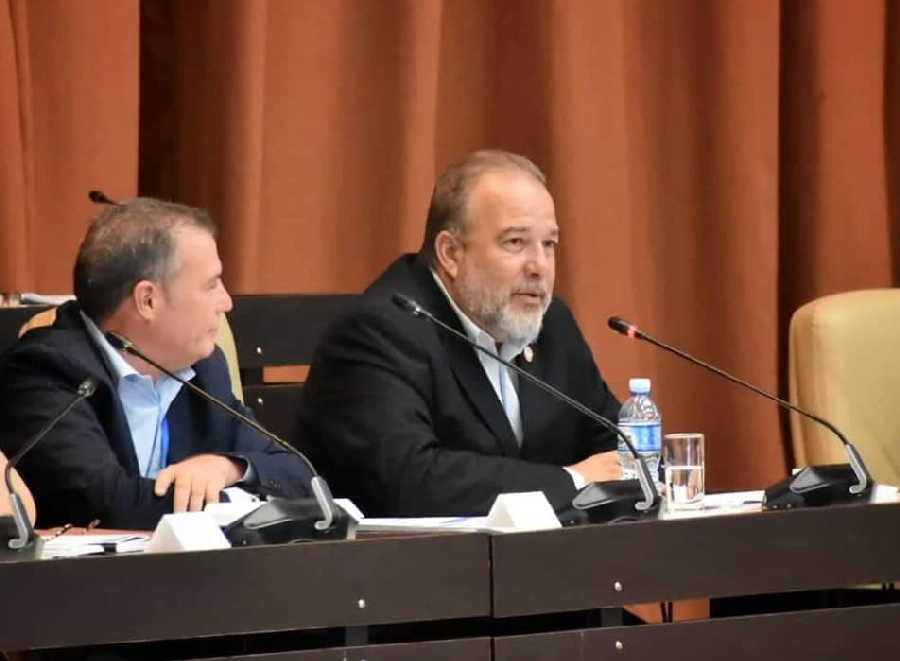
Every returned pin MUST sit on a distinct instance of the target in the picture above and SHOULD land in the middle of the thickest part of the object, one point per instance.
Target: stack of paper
(70, 546)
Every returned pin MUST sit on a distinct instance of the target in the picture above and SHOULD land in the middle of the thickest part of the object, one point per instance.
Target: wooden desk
(598, 566)
(360, 583)
(477, 589)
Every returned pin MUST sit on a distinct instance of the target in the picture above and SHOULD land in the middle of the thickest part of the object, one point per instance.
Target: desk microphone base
(816, 486)
(287, 522)
(8, 533)
(615, 500)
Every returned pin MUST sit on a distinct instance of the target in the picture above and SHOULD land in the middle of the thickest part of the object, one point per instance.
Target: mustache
(535, 290)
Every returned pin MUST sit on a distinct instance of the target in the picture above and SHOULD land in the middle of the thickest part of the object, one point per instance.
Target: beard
(492, 308)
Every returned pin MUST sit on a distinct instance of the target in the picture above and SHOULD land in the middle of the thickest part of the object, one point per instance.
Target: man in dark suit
(413, 421)
(142, 445)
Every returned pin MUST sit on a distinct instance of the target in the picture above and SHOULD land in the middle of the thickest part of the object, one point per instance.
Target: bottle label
(644, 437)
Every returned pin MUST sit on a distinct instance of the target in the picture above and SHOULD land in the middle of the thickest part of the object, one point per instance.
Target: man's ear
(448, 250)
(146, 298)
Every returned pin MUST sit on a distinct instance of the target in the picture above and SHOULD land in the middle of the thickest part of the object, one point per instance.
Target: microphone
(16, 530)
(811, 486)
(99, 197)
(603, 501)
(281, 520)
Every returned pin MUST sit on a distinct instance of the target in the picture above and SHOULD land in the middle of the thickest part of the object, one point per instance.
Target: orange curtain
(716, 163)
(68, 123)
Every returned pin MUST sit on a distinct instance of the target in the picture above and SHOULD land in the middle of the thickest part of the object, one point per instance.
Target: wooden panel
(858, 633)
(578, 568)
(98, 600)
(283, 329)
(470, 649)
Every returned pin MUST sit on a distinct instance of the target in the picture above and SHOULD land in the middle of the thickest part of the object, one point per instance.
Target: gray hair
(127, 243)
(451, 192)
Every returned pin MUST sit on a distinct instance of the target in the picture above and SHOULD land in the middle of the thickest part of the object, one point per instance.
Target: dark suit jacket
(406, 422)
(86, 467)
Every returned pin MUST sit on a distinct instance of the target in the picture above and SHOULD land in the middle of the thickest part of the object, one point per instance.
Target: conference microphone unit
(613, 500)
(811, 486)
(280, 520)
(17, 537)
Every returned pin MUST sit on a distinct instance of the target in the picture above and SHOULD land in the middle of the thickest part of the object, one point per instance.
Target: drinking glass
(683, 459)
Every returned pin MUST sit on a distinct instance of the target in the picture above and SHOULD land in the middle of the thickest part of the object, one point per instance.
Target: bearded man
(411, 420)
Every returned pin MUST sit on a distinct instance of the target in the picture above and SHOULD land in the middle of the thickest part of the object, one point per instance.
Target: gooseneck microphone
(25, 541)
(99, 197)
(616, 498)
(811, 486)
(332, 515)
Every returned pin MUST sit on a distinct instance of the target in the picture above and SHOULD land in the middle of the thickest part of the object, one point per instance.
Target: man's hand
(599, 467)
(198, 480)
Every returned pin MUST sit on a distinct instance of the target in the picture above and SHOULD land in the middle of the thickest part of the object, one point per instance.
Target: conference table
(531, 595)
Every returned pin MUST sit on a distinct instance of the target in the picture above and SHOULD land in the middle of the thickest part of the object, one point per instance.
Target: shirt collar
(120, 367)
(474, 331)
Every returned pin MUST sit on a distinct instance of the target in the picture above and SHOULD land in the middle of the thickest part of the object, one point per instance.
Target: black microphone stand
(612, 500)
(18, 541)
(280, 520)
(811, 486)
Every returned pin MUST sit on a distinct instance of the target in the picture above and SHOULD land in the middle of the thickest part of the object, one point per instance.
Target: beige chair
(845, 367)
(225, 340)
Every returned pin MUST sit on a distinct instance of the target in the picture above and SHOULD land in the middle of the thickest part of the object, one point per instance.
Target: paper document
(717, 504)
(884, 493)
(432, 523)
(239, 503)
(70, 546)
(511, 512)
(740, 502)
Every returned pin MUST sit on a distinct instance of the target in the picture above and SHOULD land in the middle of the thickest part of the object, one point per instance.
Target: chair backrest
(845, 366)
(273, 336)
(225, 340)
(278, 331)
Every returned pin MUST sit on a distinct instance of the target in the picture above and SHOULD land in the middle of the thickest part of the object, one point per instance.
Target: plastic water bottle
(640, 420)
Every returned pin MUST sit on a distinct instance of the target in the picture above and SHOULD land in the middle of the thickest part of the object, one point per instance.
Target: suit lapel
(184, 436)
(68, 317)
(532, 400)
(473, 381)
(120, 433)
(465, 363)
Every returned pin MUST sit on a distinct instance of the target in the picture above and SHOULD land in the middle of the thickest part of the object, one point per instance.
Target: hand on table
(599, 467)
(198, 480)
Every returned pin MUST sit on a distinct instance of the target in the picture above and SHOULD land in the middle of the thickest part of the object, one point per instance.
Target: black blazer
(87, 468)
(406, 423)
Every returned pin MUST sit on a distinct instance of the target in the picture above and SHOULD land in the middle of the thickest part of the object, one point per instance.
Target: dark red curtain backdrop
(716, 163)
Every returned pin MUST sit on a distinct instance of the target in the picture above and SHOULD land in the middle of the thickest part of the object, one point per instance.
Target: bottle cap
(639, 386)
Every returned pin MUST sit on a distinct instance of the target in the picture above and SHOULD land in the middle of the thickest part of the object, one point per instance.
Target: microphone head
(99, 197)
(118, 342)
(621, 326)
(87, 387)
(406, 304)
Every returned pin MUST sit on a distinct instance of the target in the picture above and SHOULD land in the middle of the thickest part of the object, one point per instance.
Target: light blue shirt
(144, 401)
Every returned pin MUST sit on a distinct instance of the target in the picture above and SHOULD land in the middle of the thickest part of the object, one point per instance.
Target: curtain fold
(69, 124)
(16, 166)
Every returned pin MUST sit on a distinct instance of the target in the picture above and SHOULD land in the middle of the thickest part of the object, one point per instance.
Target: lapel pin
(528, 354)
